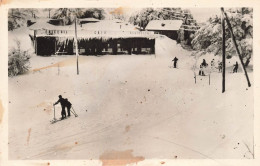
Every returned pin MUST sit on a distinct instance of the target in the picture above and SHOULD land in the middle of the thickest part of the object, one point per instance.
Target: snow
(164, 25)
(21, 35)
(130, 102)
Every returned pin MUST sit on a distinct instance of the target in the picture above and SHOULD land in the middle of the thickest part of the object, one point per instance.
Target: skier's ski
(57, 120)
(173, 67)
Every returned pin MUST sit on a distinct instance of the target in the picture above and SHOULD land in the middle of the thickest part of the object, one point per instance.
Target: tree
(49, 11)
(18, 61)
(68, 14)
(32, 12)
(118, 13)
(208, 38)
(18, 17)
(143, 17)
(97, 13)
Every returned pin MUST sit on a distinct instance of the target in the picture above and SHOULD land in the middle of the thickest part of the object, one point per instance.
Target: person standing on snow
(62, 102)
(212, 63)
(68, 105)
(202, 66)
(204, 63)
(235, 67)
(220, 67)
(175, 62)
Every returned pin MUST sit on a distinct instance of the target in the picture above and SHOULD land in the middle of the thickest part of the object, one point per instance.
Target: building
(94, 38)
(87, 20)
(168, 28)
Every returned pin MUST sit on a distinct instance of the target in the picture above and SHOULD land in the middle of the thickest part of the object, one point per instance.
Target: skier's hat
(60, 96)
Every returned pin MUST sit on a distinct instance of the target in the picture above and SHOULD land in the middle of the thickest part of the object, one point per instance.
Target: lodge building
(95, 37)
(168, 28)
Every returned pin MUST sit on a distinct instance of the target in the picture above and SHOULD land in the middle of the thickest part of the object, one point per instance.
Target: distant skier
(202, 66)
(212, 63)
(201, 71)
(235, 67)
(68, 105)
(204, 63)
(62, 102)
(220, 67)
(175, 62)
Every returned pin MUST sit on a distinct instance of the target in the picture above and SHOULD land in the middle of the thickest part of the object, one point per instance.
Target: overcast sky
(202, 14)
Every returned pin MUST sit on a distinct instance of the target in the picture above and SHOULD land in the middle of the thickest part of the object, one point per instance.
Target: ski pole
(74, 112)
(54, 113)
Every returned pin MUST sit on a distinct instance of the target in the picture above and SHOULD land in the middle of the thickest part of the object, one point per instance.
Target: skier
(220, 67)
(204, 63)
(68, 105)
(201, 71)
(175, 62)
(212, 63)
(62, 102)
(202, 66)
(235, 67)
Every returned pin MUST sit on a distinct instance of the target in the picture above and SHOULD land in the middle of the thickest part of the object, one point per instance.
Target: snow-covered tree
(97, 13)
(18, 61)
(68, 14)
(118, 13)
(49, 10)
(143, 17)
(209, 37)
(18, 17)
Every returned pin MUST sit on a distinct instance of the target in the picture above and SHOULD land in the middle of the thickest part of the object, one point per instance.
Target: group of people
(212, 63)
(235, 67)
(64, 104)
(204, 64)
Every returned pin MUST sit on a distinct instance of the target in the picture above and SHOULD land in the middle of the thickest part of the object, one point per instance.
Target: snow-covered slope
(135, 103)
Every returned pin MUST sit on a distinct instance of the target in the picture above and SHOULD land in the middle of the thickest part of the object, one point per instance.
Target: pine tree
(18, 17)
(18, 61)
(209, 39)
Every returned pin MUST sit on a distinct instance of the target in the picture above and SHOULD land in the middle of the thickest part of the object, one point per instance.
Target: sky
(202, 14)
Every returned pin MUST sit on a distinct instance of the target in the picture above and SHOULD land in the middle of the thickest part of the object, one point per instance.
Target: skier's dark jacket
(67, 103)
(62, 102)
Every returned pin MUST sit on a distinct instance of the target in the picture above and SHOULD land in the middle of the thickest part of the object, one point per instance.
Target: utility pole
(235, 45)
(223, 53)
(76, 44)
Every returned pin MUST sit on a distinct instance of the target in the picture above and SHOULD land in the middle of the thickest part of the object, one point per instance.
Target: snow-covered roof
(101, 29)
(109, 25)
(172, 25)
(43, 24)
(89, 19)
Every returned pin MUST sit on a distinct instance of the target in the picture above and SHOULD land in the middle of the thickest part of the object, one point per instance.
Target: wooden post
(58, 69)
(76, 43)
(223, 54)
(209, 79)
(235, 45)
(34, 38)
(55, 46)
